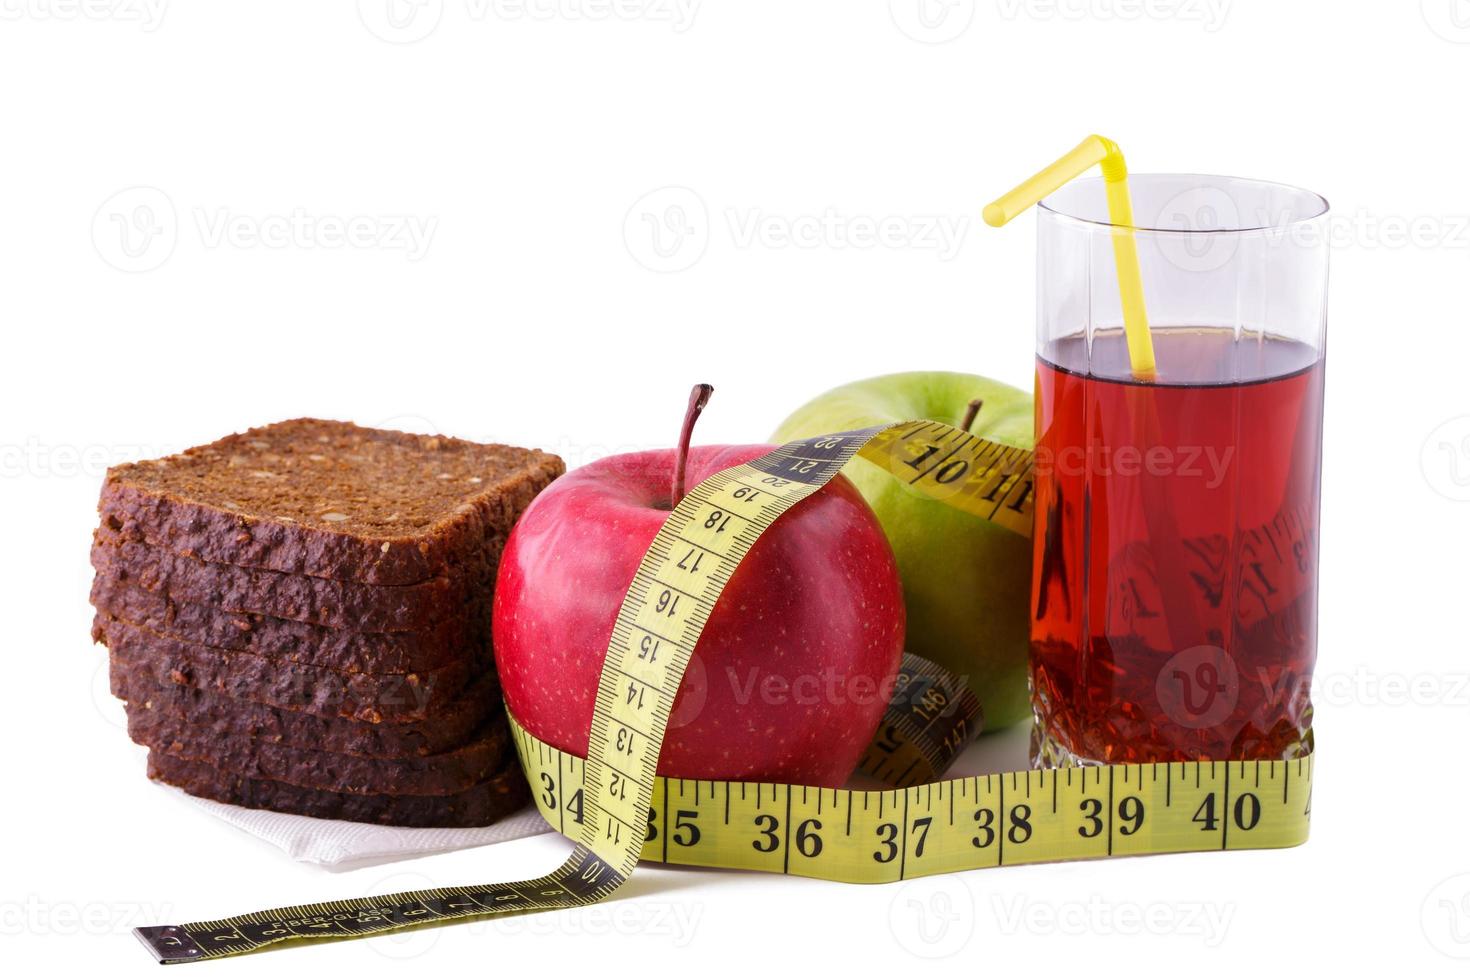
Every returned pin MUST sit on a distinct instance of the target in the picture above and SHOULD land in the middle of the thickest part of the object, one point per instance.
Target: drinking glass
(1174, 583)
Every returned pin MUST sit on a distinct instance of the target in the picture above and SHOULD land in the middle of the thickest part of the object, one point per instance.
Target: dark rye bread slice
(322, 602)
(452, 771)
(329, 499)
(286, 639)
(294, 686)
(499, 796)
(210, 712)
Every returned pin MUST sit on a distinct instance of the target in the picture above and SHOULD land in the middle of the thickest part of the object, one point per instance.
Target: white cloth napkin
(341, 844)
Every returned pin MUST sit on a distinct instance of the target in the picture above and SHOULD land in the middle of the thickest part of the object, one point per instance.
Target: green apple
(966, 581)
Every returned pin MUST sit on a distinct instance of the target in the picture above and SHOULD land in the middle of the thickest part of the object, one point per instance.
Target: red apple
(794, 668)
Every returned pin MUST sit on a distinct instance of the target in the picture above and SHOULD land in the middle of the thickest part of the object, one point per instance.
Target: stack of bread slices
(298, 618)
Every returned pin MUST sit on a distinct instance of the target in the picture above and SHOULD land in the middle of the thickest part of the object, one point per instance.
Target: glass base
(1048, 753)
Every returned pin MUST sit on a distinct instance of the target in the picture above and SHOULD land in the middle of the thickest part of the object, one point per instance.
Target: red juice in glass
(1174, 578)
(1174, 591)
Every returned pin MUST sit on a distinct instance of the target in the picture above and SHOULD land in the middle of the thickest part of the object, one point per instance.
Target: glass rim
(1319, 206)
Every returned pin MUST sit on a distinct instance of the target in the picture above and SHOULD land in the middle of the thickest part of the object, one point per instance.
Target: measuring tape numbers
(989, 821)
(619, 811)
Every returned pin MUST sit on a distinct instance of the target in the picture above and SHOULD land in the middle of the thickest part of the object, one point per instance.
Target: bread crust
(209, 711)
(163, 501)
(455, 638)
(499, 796)
(452, 771)
(318, 601)
(297, 687)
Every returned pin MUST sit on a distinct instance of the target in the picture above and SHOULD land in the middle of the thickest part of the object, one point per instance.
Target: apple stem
(698, 398)
(971, 413)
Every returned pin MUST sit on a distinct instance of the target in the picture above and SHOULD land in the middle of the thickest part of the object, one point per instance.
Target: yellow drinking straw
(1095, 150)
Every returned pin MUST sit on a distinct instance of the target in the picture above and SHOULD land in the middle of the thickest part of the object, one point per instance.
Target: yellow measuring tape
(964, 824)
(619, 811)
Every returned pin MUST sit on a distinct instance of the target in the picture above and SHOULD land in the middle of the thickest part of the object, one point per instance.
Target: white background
(521, 140)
